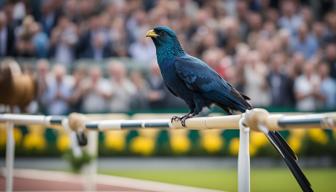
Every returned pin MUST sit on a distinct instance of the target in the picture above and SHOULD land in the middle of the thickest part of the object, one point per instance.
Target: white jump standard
(10, 120)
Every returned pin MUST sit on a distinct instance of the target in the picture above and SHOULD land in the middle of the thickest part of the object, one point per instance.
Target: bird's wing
(170, 90)
(199, 77)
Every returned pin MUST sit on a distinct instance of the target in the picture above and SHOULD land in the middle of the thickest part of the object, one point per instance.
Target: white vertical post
(10, 151)
(243, 157)
(91, 169)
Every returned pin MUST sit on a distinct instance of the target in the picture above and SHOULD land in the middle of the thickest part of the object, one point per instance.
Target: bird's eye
(161, 33)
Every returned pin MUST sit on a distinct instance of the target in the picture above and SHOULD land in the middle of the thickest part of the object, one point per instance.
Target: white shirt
(121, 95)
(305, 86)
(93, 102)
(254, 86)
(57, 106)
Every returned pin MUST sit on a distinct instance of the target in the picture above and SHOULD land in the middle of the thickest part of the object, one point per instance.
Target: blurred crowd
(279, 53)
(93, 90)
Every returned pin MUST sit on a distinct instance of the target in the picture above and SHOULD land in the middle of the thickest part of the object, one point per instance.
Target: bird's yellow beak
(151, 33)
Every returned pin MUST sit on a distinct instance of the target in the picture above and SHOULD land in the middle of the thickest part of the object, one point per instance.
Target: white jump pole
(243, 157)
(10, 151)
(91, 169)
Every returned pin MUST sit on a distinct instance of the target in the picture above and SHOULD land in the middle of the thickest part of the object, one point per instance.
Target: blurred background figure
(77, 96)
(327, 87)
(43, 78)
(96, 91)
(139, 99)
(58, 91)
(24, 45)
(7, 37)
(63, 40)
(306, 88)
(255, 74)
(142, 50)
(279, 82)
(99, 49)
(122, 89)
(157, 91)
(304, 42)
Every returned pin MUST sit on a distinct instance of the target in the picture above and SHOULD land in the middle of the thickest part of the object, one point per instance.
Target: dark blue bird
(200, 86)
(191, 79)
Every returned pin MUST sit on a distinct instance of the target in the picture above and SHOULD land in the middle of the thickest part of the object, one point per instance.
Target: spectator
(330, 58)
(63, 41)
(327, 87)
(307, 88)
(304, 43)
(256, 85)
(278, 82)
(122, 88)
(40, 41)
(96, 91)
(157, 94)
(76, 99)
(99, 49)
(50, 16)
(24, 45)
(139, 99)
(289, 19)
(142, 50)
(43, 78)
(58, 92)
(7, 37)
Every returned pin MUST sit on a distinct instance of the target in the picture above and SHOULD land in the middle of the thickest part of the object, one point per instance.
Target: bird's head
(162, 35)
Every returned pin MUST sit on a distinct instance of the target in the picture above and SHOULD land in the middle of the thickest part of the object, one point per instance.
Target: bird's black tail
(289, 157)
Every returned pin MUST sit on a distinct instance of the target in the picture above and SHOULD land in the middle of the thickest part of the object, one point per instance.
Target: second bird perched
(200, 86)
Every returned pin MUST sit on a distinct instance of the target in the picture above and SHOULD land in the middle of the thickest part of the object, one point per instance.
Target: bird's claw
(175, 118)
(181, 119)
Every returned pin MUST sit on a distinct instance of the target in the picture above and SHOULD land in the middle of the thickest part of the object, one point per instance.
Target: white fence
(256, 119)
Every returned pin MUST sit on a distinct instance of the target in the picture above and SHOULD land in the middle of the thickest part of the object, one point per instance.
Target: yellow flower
(179, 144)
(258, 139)
(295, 139)
(212, 142)
(115, 140)
(34, 141)
(35, 138)
(253, 150)
(179, 141)
(318, 136)
(3, 135)
(17, 135)
(142, 145)
(63, 142)
(295, 143)
(234, 146)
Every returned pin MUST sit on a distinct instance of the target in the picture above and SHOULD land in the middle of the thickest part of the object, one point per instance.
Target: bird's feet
(182, 119)
(175, 118)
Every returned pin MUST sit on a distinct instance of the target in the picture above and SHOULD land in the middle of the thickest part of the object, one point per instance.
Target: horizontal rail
(127, 124)
(281, 121)
(253, 117)
(32, 119)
